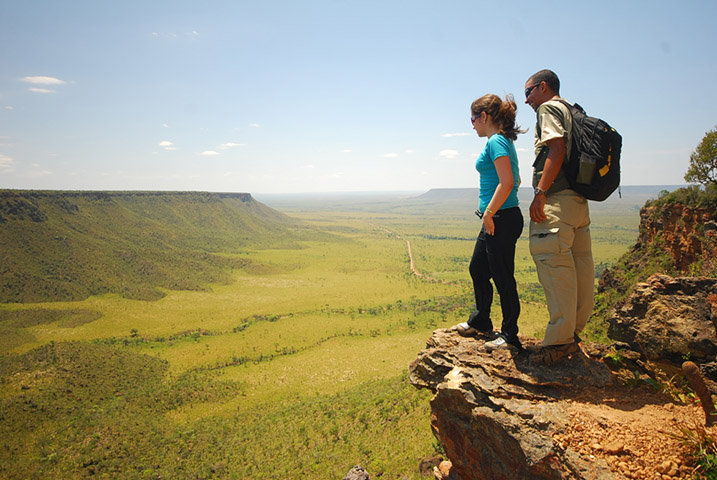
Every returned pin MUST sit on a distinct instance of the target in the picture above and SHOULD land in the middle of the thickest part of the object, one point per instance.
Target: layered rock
(670, 319)
(496, 414)
(689, 234)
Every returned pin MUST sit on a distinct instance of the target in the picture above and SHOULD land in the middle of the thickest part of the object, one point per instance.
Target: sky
(333, 95)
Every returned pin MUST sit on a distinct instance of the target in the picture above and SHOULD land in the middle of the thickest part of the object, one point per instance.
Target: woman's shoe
(465, 330)
(501, 342)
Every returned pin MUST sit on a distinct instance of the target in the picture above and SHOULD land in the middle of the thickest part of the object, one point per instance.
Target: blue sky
(327, 96)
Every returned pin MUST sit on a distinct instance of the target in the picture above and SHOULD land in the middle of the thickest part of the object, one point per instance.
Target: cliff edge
(619, 410)
(499, 417)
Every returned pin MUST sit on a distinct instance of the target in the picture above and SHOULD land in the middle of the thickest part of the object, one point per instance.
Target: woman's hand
(488, 223)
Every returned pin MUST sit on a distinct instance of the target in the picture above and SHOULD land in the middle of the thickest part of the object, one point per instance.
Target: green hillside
(60, 246)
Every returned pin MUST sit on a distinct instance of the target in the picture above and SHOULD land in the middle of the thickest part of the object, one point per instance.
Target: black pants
(494, 258)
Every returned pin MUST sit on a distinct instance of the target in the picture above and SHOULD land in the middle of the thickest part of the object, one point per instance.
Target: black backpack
(593, 169)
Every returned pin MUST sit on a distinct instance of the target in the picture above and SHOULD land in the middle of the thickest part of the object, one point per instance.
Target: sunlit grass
(302, 334)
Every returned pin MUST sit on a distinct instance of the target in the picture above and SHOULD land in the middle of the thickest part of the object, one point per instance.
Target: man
(560, 225)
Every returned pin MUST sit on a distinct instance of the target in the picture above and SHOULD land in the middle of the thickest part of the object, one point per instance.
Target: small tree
(703, 161)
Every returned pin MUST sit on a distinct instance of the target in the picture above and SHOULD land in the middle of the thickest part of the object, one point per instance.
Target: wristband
(489, 211)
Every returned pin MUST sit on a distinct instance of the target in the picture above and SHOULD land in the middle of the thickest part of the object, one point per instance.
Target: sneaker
(500, 343)
(553, 354)
(465, 330)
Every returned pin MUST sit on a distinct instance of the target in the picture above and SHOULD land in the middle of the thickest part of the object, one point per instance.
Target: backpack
(593, 169)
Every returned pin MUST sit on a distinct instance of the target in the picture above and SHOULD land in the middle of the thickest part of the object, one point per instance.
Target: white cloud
(42, 80)
(227, 145)
(409, 151)
(448, 153)
(389, 155)
(164, 35)
(166, 144)
(40, 90)
(209, 153)
(9, 107)
(348, 150)
(7, 164)
(255, 125)
(450, 135)
(165, 125)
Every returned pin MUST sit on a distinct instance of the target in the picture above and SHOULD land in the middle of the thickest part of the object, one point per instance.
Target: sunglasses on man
(529, 89)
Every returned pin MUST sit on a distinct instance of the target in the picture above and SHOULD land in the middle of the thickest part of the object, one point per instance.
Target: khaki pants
(562, 252)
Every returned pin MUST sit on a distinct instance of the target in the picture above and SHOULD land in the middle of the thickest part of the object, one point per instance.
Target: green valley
(194, 335)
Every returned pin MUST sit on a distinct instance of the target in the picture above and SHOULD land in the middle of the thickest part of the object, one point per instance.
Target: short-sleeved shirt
(554, 121)
(497, 146)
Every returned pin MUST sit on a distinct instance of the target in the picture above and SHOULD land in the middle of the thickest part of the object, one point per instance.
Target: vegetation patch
(24, 318)
(15, 322)
(72, 410)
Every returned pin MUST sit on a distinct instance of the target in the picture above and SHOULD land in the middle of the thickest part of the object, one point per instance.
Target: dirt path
(412, 262)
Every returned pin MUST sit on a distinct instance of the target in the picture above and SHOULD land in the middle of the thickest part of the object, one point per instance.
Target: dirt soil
(640, 433)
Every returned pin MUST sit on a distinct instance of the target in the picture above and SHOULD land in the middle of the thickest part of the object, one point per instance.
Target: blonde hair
(501, 111)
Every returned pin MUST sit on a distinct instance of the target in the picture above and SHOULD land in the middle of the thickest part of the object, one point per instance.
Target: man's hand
(553, 163)
(537, 209)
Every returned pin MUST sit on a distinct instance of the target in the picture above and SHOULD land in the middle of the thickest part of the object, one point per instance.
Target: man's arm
(556, 155)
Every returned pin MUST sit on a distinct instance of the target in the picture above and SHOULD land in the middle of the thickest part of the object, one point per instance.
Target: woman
(494, 252)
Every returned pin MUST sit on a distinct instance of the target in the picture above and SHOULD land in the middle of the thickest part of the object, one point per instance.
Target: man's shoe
(553, 354)
(500, 343)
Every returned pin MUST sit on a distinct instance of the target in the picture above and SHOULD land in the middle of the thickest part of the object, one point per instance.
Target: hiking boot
(553, 354)
(501, 343)
(465, 330)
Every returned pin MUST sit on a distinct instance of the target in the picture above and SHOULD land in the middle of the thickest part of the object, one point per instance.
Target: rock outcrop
(669, 319)
(688, 234)
(496, 414)
(357, 473)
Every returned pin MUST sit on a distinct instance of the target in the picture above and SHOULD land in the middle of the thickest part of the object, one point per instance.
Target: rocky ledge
(609, 412)
(497, 416)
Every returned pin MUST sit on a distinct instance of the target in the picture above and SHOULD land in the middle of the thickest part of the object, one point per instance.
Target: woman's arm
(501, 194)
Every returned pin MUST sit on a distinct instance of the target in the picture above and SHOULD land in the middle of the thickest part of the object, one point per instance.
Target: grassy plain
(295, 369)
